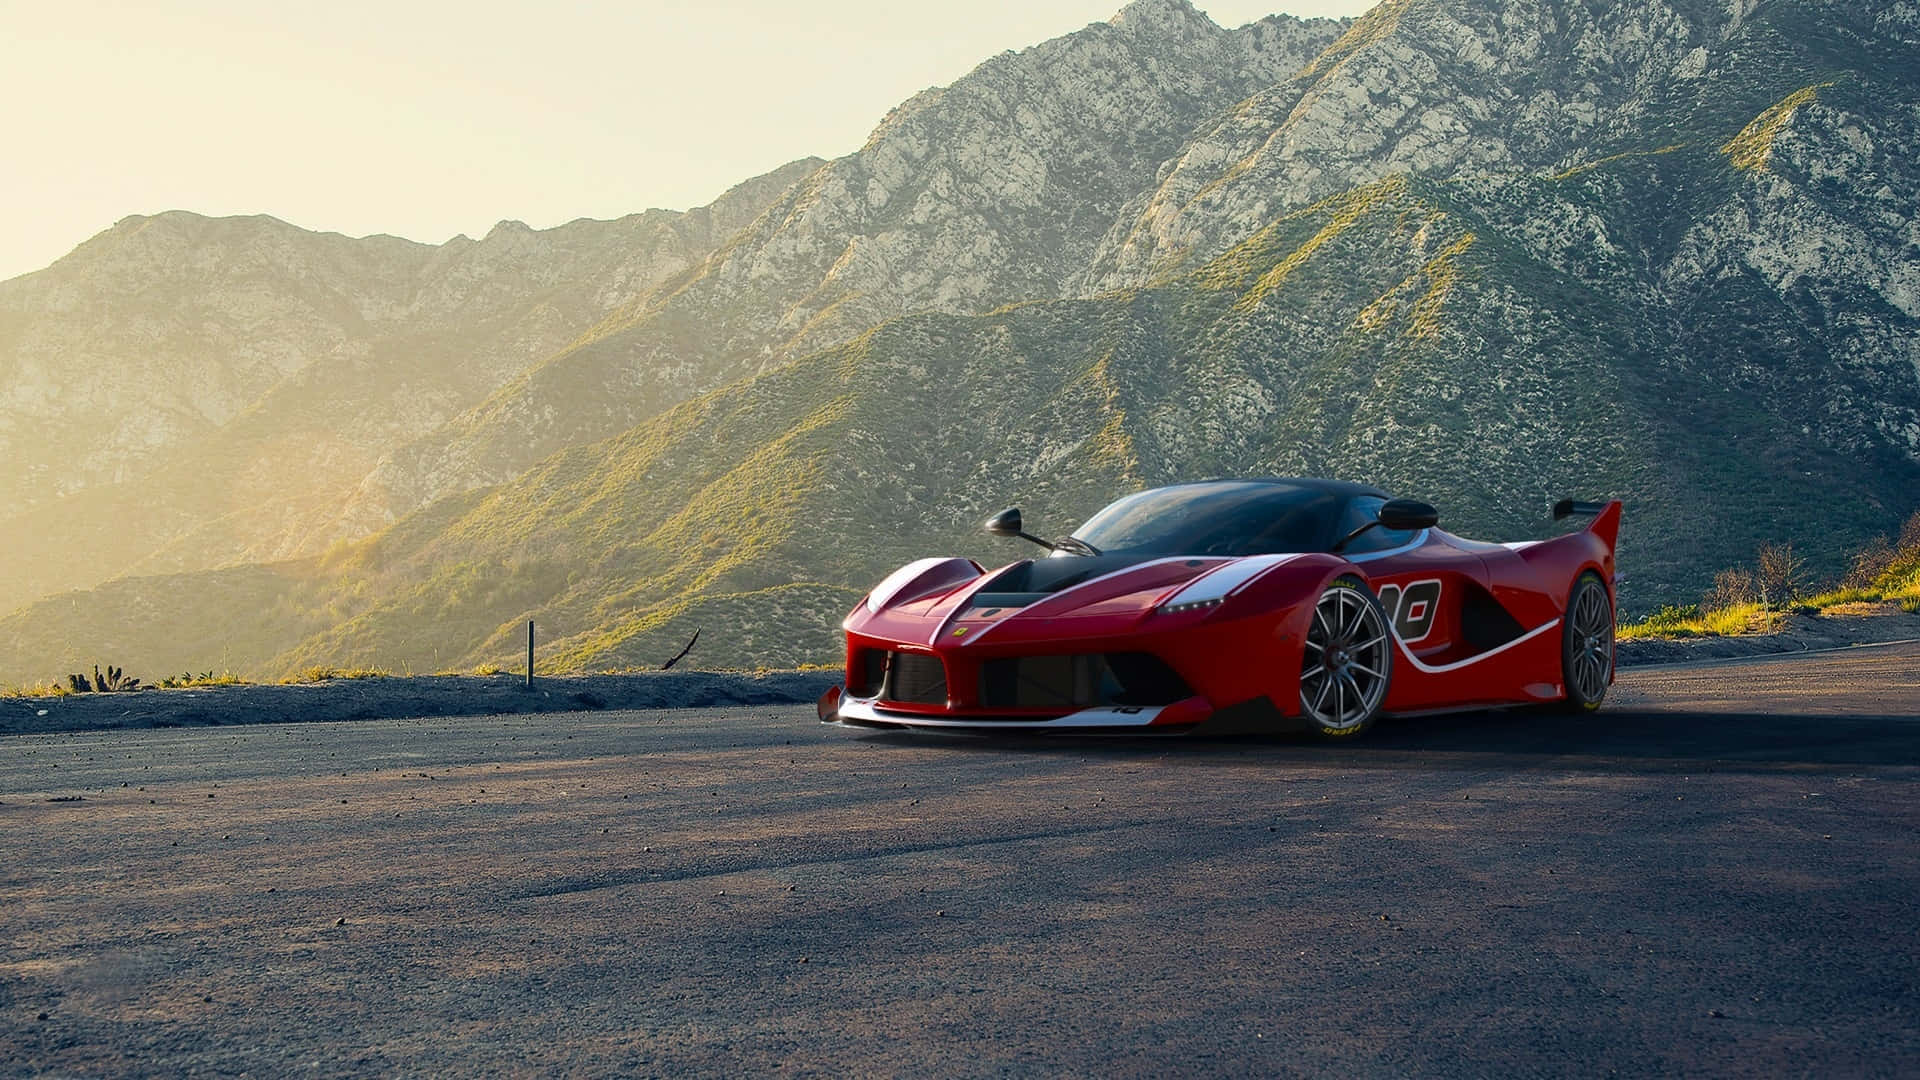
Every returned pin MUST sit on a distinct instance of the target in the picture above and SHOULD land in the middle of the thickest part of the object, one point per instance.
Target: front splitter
(1178, 718)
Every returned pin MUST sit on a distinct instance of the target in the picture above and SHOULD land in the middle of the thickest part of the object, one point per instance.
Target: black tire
(1348, 664)
(1586, 644)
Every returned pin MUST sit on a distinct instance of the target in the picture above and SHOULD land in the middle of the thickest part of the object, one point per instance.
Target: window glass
(1218, 518)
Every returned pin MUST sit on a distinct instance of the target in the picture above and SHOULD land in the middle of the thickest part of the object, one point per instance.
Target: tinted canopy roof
(1224, 517)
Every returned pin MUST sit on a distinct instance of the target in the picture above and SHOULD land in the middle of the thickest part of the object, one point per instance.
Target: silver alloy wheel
(1343, 679)
(1590, 661)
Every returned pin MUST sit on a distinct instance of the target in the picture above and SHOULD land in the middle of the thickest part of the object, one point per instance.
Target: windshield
(1221, 518)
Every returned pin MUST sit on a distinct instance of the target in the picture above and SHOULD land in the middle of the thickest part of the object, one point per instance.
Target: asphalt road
(1719, 874)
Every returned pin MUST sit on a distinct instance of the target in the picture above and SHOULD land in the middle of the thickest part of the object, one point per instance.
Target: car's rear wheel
(1348, 662)
(1586, 644)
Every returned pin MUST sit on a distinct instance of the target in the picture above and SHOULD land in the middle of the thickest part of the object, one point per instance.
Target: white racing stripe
(1458, 664)
(1223, 581)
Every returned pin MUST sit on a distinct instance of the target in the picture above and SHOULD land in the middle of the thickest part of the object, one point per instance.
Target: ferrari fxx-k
(1237, 605)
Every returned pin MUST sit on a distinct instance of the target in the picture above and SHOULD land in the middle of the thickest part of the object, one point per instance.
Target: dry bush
(1731, 588)
(1909, 542)
(1871, 562)
(1779, 572)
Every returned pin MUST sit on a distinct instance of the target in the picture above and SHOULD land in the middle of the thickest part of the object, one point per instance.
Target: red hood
(1125, 594)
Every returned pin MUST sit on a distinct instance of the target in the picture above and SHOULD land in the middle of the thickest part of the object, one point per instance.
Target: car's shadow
(1518, 738)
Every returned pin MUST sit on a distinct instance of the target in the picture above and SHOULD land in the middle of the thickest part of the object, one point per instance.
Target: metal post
(529, 654)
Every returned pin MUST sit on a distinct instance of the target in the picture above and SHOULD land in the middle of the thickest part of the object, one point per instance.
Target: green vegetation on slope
(896, 445)
(1755, 600)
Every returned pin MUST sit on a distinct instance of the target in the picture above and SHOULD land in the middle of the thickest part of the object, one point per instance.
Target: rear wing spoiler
(1606, 516)
(1569, 507)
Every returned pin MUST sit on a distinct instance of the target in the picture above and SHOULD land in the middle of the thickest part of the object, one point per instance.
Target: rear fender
(1552, 566)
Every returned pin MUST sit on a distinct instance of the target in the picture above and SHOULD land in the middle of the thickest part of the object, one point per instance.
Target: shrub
(1731, 588)
(1673, 620)
(1673, 616)
(1752, 618)
(1780, 574)
(1837, 597)
(1903, 571)
(114, 681)
(1909, 542)
(45, 689)
(1869, 564)
(325, 673)
(187, 679)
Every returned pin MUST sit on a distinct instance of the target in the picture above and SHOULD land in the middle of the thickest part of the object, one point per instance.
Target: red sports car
(1237, 605)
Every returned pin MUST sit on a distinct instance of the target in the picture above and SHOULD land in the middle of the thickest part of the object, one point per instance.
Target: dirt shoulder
(1861, 624)
(406, 696)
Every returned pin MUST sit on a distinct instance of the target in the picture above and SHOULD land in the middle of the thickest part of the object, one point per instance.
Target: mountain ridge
(980, 193)
(336, 376)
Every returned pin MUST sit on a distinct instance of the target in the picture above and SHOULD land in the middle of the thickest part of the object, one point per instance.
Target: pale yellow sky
(426, 118)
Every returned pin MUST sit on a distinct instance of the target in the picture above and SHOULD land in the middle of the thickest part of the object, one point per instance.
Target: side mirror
(1005, 523)
(1406, 515)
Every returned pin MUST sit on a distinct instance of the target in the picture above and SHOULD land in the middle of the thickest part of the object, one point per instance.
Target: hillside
(991, 191)
(184, 392)
(1687, 284)
(621, 549)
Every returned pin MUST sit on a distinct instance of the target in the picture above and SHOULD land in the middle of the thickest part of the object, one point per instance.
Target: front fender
(916, 581)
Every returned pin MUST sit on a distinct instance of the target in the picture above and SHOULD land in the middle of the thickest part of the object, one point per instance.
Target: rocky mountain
(184, 392)
(992, 191)
(1485, 253)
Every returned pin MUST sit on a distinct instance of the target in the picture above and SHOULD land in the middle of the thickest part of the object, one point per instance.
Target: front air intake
(866, 672)
(1079, 681)
(916, 678)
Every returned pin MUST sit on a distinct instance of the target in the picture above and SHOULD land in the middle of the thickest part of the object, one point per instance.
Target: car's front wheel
(1348, 662)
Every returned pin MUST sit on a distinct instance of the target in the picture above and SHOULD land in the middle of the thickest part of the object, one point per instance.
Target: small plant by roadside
(187, 680)
(45, 689)
(1672, 620)
(114, 681)
(323, 674)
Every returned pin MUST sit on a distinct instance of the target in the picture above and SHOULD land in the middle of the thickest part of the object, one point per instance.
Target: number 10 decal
(1412, 608)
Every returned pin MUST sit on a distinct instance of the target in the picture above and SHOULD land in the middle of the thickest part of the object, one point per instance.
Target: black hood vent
(1030, 582)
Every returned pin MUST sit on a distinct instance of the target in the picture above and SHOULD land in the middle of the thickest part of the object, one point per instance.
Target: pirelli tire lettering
(1413, 607)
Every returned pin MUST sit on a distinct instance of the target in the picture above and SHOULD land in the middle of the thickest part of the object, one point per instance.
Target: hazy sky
(426, 118)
